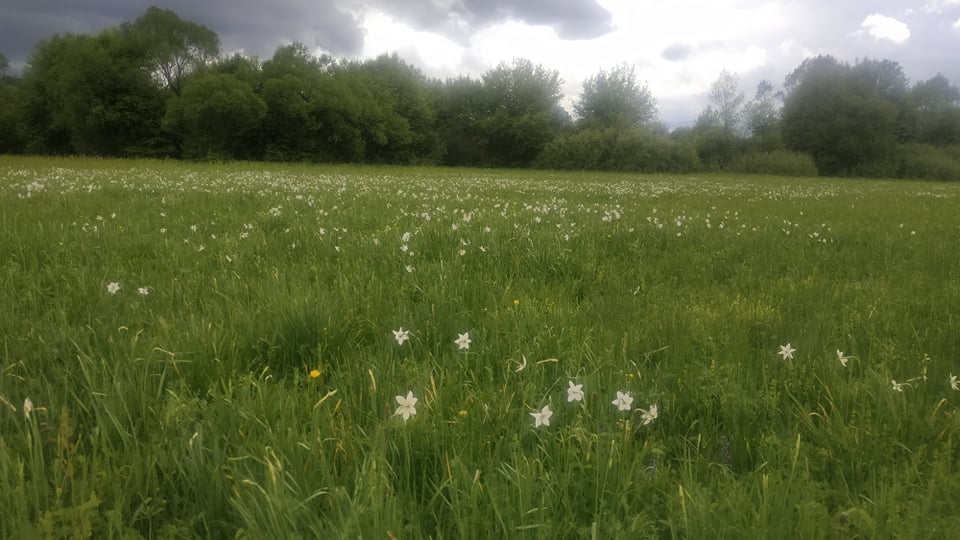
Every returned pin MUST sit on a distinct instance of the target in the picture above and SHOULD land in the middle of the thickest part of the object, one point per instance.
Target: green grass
(191, 411)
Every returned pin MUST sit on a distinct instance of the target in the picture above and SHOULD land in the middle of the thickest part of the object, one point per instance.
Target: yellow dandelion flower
(314, 373)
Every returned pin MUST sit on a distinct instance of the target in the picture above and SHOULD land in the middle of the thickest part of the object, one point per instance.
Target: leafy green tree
(289, 84)
(846, 125)
(524, 111)
(297, 60)
(616, 98)
(173, 47)
(89, 95)
(460, 106)
(213, 116)
(247, 69)
(726, 108)
(933, 116)
(12, 140)
(401, 90)
(4, 65)
(763, 118)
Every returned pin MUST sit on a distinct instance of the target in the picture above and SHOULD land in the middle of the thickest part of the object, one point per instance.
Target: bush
(618, 149)
(927, 162)
(776, 162)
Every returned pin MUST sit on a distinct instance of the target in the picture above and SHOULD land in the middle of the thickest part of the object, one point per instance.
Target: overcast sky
(678, 46)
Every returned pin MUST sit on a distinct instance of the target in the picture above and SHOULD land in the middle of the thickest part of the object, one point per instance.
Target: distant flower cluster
(114, 287)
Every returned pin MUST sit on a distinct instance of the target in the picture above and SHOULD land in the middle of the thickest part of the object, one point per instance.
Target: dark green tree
(12, 140)
(290, 88)
(90, 95)
(401, 90)
(934, 112)
(460, 106)
(845, 122)
(524, 111)
(213, 116)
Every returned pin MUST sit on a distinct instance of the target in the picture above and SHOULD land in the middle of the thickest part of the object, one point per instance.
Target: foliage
(617, 149)
(400, 89)
(846, 124)
(763, 117)
(717, 147)
(776, 162)
(213, 115)
(727, 109)
(88, 95)
(174, 48)
(12, 137)
(460, 106)
(524, 111)
(923, 161)
(615, 99)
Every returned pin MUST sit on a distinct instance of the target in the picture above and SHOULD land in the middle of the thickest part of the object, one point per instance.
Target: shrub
(927, 162)
(776, 162)
(617, 149)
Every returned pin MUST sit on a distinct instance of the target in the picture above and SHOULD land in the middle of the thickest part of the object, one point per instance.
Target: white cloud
(956, 25)
(937, 6)
(434, 53)
(883, 27)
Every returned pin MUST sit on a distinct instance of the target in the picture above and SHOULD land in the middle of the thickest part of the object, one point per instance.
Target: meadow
(265, 351)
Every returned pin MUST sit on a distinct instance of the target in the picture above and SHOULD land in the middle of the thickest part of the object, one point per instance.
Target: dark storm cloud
(254, 26)
(260, 27)
(458, 19)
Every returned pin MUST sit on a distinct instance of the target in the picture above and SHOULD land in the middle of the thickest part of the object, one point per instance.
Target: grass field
(219, 351)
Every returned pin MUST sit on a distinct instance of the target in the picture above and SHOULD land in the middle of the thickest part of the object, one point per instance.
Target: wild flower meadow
(322, 352)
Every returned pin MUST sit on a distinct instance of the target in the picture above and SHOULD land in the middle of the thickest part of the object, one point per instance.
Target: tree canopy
(616, 98)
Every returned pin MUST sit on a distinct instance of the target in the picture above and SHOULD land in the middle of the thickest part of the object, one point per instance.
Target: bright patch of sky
(883, 27)
(433, 52)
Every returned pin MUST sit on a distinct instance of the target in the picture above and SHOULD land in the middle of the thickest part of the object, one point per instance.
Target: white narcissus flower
(897, 387)
(650, 414)
(143, 291)
(623, 401)
(27, 408)
(463, 340)
(113, 287)
(408, 406)
(843, 359)
(953, 382)
(786, 351)
(401, 335)
(542, 418)
(574, 392)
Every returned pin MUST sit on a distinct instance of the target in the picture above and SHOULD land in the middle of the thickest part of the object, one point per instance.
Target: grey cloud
(572, 19)
(677, 52)
(260, 27)
(256, 27)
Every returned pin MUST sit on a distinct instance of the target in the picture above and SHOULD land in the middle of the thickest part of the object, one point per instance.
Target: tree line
(159, 86)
